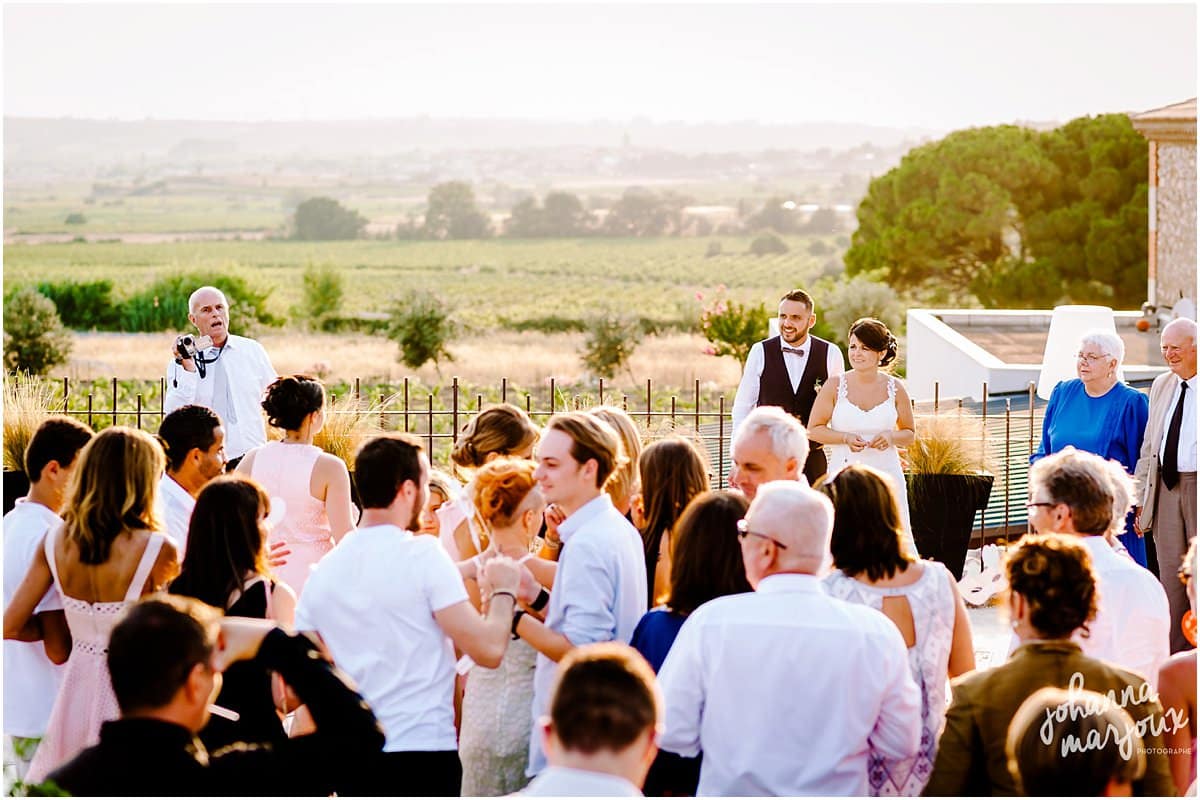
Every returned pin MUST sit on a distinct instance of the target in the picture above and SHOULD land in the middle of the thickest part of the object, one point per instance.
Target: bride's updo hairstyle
(876, 337)
(501, 487)
(292, 398)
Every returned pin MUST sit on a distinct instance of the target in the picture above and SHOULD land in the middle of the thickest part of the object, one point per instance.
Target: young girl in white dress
(864, 416)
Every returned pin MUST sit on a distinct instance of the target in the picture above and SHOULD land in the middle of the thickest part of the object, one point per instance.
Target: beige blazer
(1146, 471)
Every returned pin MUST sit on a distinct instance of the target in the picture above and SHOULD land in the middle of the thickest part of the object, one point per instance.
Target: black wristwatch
(543, 597)
(517, 621)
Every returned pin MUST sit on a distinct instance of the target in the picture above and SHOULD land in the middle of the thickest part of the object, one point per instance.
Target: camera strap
(200, 355)
(200, 361)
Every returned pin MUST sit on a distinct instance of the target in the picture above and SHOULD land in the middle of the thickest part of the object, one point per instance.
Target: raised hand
(500, 574)
(555, 516)
(529, 588)
(239, 639)
(277, 554)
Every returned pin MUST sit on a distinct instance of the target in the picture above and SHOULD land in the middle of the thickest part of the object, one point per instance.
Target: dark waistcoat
(775, 387)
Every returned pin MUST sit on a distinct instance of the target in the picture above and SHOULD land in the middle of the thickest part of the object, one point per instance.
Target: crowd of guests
(573, 611)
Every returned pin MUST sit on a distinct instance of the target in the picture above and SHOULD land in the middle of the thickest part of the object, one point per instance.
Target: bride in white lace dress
(865, 415)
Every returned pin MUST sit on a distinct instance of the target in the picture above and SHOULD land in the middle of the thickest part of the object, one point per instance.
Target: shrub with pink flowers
(732, 327)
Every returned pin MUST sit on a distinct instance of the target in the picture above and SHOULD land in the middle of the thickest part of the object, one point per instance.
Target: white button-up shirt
(568, 782)
(747, 394)
(372, 599)
(31, 680)
(599, 594)
(1187, 428)
(786, 690)
(249, 372)
(1132, 627)
(175, 510)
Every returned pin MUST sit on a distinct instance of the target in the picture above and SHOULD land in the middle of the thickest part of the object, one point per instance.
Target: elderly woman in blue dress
(1097, 413)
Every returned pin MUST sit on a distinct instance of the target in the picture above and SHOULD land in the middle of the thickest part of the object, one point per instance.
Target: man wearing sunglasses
(786, 689)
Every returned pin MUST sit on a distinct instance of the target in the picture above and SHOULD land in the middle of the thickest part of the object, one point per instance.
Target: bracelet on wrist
(553, 544)
(510, 595)
(543, 597)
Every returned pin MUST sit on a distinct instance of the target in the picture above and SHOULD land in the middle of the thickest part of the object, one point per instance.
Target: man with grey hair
(237, 372)
(771, 445)
(785, 689)
(1075, 492)
(1166, 468)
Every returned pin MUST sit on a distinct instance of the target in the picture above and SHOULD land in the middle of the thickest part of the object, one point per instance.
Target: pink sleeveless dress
(285, 471)
(85, 699)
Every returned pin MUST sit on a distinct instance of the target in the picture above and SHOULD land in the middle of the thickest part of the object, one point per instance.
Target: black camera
(188, 347)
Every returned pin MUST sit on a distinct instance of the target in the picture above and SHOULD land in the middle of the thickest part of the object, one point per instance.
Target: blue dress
(654, 635)
(1111, 426)
(671, 775)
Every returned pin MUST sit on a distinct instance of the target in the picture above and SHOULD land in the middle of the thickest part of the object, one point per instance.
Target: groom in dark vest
(788, 369)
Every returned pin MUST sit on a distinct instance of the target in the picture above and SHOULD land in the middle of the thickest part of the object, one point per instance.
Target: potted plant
(948, 482)
(27, 402)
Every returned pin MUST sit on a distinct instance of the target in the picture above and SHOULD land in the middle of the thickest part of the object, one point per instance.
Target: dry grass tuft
(949, 443)
(348, 423)
(27, 403)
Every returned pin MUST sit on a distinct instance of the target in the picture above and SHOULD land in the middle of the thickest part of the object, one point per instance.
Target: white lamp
(1067, 327)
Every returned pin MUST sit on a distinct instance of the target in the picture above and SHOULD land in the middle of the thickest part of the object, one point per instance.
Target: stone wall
(1176, 212)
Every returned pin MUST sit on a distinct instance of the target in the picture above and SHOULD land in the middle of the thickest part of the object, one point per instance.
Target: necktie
(222, 393)
(1170, 461)
(797, 350)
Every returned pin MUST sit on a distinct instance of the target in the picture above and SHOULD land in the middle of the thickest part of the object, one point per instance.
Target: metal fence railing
(1009, 425)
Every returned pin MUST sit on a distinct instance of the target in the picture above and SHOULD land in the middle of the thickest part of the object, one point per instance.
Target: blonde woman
(109, 552)
(623, 484)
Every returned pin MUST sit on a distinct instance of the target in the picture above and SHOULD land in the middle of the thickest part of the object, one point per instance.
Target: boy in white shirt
(31, 669)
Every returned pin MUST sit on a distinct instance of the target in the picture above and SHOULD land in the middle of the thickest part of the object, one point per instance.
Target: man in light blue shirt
(600, 589)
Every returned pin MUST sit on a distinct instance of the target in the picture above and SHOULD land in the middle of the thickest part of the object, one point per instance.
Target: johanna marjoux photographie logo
(1121, 729)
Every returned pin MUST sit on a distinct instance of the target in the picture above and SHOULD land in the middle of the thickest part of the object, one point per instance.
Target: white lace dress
(849, 418)
(493, 742)
(931, 599)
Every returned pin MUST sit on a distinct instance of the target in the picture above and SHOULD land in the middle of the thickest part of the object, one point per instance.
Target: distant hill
(84, 143)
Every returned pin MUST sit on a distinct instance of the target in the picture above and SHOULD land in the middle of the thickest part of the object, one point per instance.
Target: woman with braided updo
(1051, 595)
(865, 415)
(493, 741)
(312, 486)
(499, 430)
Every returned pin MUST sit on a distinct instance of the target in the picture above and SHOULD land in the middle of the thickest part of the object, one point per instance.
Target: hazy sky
(936, 66)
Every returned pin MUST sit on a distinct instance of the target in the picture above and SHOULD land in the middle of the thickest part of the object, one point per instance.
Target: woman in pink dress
(312, 486)
(108, 552)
